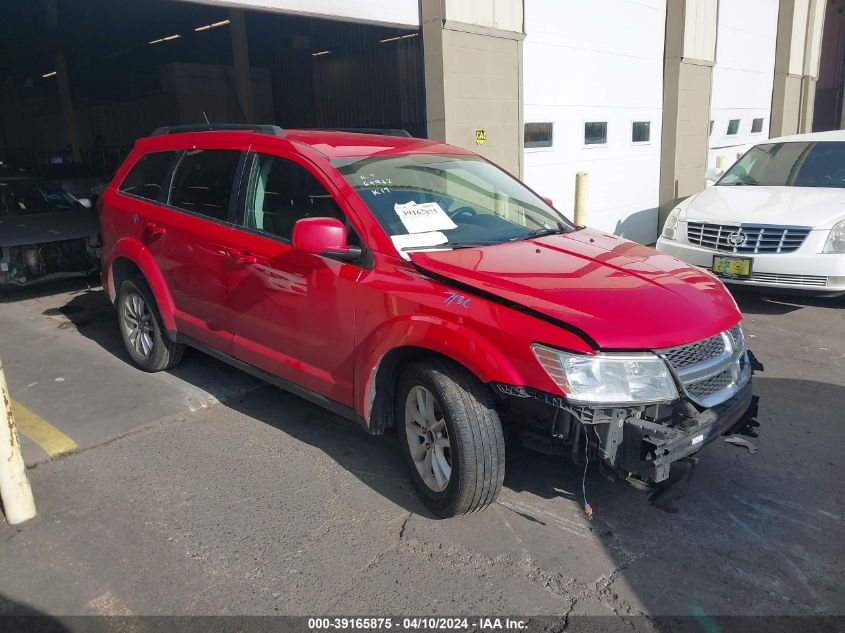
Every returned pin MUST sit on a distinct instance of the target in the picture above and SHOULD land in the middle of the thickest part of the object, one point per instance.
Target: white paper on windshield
(423, 218)
(431, 239)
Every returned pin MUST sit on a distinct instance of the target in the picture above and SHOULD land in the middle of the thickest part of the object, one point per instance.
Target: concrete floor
(202, 491)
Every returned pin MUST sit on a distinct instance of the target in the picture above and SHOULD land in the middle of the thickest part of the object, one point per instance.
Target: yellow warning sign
(480, 137)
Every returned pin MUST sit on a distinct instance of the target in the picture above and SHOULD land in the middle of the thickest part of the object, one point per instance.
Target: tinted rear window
(203, 181)
(146, 178)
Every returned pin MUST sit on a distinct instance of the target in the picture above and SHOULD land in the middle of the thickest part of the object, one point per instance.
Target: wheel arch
(381, 392)
(131, 259)
(376, 383)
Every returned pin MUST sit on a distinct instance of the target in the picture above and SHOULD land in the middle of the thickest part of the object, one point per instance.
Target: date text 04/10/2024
(415, 624)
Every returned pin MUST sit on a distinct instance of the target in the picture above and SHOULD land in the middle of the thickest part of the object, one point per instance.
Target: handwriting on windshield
(376, 186)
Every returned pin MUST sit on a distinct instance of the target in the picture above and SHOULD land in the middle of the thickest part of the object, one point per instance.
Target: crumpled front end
(41, 262)
(639, 443)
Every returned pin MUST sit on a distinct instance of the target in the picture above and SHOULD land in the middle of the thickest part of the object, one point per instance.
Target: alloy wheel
(138, 323)
(428, 438)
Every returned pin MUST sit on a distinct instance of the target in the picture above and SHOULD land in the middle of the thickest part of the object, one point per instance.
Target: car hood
(621, 294)
(35, 228)
(796, 206)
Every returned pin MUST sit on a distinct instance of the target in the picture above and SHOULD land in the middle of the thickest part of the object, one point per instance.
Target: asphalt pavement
(203, 492)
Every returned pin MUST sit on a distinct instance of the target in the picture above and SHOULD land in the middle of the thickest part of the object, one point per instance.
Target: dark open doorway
(134, 65)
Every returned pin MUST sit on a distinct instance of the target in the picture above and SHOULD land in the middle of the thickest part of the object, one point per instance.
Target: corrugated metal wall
(364, 82)
(121, 88)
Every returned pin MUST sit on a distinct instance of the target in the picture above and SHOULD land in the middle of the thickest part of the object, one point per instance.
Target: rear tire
(451, 437)
(142, 329)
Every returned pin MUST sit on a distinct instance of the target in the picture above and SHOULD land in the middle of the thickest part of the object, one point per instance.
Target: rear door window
(146, 178)
(203, 182)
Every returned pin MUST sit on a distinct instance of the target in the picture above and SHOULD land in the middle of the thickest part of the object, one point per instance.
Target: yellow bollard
(721, 162)
(582, 190)
(15, 492)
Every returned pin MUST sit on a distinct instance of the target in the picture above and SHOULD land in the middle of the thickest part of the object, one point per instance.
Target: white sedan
(775, 219)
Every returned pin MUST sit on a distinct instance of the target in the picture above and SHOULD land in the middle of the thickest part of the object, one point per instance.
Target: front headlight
(608, 378)
(670, 228)
(836, 240)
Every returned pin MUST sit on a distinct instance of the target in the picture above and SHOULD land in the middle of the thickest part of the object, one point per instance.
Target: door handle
(153, 231)
(242, 256)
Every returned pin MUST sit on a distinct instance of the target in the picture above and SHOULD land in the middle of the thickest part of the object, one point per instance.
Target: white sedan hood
(817, 207)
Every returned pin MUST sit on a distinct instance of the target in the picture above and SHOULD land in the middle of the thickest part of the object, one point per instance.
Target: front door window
(281, 192)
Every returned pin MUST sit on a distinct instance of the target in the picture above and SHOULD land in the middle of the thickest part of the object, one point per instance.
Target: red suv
(404, 283)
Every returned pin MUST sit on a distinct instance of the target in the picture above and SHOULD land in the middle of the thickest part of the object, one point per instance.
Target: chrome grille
(737, 336)
(747, 238)
(708, 386)
(783, 278)
(695, 353)
(713, 369)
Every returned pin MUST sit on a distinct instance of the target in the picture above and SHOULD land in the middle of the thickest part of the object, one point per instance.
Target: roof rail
(366, 130)
(273, 130)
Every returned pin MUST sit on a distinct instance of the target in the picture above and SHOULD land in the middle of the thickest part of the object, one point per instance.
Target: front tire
(142, 329)
(451, 437)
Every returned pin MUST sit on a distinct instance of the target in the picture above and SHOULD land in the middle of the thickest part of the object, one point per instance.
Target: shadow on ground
(756, 302)
(12, 293)
(16, 616)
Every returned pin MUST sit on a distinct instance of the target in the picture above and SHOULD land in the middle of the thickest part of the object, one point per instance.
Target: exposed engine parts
(637, 444)
(21, 265)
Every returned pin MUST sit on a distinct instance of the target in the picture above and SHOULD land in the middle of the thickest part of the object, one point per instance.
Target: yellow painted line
(36, 428)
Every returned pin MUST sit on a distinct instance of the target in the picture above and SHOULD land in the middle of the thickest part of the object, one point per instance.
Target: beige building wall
(473, 76)
(690, 52)
(800, 25)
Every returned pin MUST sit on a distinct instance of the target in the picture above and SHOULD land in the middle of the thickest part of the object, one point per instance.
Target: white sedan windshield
(797, 164)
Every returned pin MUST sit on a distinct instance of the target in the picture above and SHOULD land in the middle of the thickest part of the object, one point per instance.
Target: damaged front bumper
(635, 443)
(646, 450)
(29, 264)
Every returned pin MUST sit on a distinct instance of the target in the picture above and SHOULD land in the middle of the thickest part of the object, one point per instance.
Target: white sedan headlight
(608, 378)
(670, 228)
(836, 240)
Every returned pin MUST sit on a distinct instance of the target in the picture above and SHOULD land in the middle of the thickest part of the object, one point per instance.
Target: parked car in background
(406, 283)
(774, 220)
(84, 181)
(45, 233)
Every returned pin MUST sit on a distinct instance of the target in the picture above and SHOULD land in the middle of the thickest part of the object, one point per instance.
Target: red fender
(463, 345)
(139, 255)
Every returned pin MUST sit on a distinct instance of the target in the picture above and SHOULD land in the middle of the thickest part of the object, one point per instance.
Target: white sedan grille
(785, 278)
(747, 238)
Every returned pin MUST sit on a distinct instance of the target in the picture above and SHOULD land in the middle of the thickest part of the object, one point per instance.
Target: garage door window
(280, 193)
(538, 134)
(146, 178)
(203, 182)
(641, 132)
(595, 133)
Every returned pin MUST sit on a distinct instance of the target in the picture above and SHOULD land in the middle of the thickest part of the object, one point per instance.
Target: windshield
(432, 200)
(804, 164)
(33, 196)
